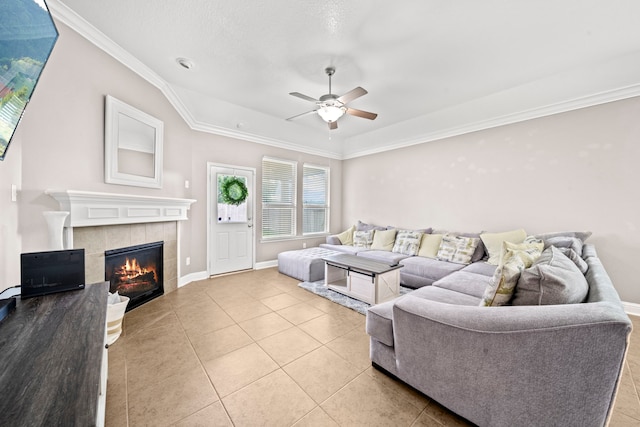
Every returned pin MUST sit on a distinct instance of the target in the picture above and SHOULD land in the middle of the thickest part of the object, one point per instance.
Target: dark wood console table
(53, 359)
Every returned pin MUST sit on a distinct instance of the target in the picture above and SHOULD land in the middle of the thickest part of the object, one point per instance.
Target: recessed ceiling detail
(443, 69)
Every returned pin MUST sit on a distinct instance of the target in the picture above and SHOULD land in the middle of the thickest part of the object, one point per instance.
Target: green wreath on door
(233, 190)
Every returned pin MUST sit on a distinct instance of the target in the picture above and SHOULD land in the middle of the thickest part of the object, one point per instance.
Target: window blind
(278, 198)
(315, 199)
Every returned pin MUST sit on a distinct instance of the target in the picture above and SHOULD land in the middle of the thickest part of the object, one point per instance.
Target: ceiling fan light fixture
(331, 113)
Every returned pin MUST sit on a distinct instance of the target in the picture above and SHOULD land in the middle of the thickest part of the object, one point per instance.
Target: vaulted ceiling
(433, 68)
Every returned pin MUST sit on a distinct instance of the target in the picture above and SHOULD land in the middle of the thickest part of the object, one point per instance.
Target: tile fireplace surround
(103, 221)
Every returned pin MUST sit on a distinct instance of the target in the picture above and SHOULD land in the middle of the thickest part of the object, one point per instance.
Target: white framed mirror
(133, 146)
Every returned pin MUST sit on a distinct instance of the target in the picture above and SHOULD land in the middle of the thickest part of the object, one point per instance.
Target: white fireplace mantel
(87, 209)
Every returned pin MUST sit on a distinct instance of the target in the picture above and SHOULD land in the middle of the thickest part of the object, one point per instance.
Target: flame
(132, 269)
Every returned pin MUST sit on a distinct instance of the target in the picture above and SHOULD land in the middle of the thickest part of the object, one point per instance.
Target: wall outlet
(304, 245)
(188, 260)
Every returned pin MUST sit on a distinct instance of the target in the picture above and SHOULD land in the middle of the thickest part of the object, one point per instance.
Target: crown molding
(67, 16)
(534, 113)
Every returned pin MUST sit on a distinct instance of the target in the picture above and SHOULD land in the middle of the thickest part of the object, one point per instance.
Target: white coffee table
(363, 279)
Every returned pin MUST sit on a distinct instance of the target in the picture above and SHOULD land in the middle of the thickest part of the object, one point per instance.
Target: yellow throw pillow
(346, 237)
(383, 240)
(493, 242)
(429, 245)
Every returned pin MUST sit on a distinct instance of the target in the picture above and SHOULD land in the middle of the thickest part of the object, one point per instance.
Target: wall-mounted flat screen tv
(27, 36)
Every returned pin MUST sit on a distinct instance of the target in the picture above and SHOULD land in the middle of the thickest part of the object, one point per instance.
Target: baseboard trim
(266, 264)
(192, 277)
(631, 308)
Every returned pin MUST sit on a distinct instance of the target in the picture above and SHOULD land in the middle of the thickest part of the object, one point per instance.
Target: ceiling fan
(331, 107)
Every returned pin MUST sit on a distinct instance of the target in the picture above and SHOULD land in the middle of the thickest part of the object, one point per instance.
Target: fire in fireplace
(136, 272)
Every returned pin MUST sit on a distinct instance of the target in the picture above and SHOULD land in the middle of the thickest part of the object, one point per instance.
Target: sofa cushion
(458, 249)
(346, 237)
(515, 258)
(407, 242)
(429, 245)
(553, 279)
(383, 239)
(446, 296)
(379, 322)
(480, 268)
(464, 282)
(343, 248)
(363, 239)
(493, 242)
(431, 269)
(386, 257)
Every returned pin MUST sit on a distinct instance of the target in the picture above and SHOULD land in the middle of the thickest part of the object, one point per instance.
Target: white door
(231, 234)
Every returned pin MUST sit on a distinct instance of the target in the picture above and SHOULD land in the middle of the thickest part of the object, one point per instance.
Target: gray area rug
(320, 289)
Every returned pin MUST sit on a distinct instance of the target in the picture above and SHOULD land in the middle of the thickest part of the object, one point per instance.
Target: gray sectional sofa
(553, 356)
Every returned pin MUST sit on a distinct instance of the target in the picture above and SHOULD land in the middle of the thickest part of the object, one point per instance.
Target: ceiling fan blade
(305, 97)
(360, 113)
(352, 94)
(333, 125)
(302, 114)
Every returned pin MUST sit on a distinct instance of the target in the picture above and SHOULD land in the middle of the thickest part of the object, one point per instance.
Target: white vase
(55, 222)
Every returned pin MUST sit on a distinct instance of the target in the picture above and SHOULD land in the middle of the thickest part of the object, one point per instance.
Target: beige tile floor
(254, 349)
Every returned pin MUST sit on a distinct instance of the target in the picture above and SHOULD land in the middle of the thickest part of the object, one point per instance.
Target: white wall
(572, 171)
(60, 145)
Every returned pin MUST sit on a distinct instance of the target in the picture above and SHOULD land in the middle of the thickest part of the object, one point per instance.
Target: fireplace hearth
(136, 272)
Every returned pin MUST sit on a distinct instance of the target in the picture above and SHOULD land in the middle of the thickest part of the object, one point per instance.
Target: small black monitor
(48, 272)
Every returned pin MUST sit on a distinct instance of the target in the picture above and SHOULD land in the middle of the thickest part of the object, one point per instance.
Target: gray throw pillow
(566, 239)
(361, 226)
(552, 279)
(577, 260)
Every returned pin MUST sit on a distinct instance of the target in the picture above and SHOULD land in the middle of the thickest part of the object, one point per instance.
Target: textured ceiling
(432, 68)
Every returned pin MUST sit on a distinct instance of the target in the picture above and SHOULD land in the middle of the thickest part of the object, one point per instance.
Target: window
(278, 198)
(315, 199)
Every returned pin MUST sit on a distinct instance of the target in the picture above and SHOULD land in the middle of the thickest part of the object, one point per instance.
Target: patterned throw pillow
(407, 242)
(458, 249)
(514, 259)
(363, 239)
